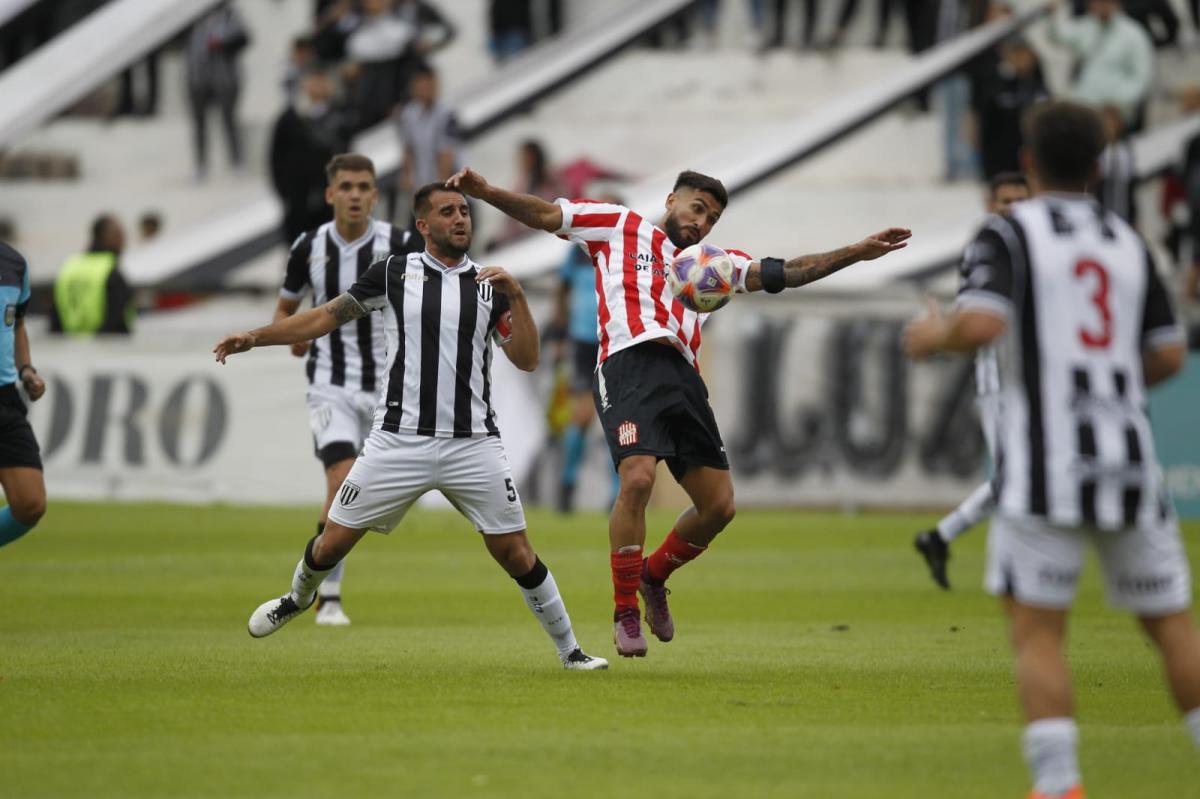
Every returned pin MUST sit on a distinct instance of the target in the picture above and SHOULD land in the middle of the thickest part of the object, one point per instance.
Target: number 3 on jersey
(1092, 338)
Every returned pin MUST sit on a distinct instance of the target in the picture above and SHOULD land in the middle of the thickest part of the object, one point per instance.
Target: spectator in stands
(434, 31)
(1157, 17)
(1005, 81)
(429, 134)
(310, 131)
(1116, 58)
(534, 176)
(845, 19)
(139, 88)
(376, 49)
(214, 78)
(779, 26)
(90, 294)
(335, 20)
(1115, 186)
(511, 25)
(302, 58)
(149, 225)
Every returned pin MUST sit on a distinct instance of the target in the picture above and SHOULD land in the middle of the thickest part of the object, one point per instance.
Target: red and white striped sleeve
(589, 220)
(741, 268)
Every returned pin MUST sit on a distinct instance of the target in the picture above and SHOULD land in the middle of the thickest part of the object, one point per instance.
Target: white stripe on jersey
(438, 375)
(631, 257)
(1075, 444)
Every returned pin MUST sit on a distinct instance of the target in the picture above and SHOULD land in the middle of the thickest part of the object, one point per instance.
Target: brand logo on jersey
(314, 260)
(348, 494)
(486, 291)
(627, 434)
(645, 262)
(411, 276)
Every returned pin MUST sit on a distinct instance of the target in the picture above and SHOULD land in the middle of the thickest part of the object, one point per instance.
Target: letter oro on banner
(152, 417)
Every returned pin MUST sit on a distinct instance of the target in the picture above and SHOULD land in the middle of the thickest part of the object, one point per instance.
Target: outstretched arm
(808, 268)
(313, 323)
(530, 211)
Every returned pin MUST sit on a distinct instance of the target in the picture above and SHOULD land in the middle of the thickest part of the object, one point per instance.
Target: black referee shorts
(651, 401)
(583, 364)
(18, 447)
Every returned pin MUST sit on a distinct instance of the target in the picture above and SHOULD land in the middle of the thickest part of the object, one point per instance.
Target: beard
(449, 247)
(679, 237)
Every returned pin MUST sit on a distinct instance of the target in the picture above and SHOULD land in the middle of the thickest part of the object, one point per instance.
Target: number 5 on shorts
(512, 489)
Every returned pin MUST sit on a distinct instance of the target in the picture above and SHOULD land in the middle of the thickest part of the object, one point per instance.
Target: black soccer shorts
(18, 446)
(651, 401)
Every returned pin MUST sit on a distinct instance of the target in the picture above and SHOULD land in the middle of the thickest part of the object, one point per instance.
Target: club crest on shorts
(627, 434)
(348, 493)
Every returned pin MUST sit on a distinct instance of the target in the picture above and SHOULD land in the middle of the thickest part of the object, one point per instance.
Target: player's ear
(328, 195)
(670, 203)
(423, 228)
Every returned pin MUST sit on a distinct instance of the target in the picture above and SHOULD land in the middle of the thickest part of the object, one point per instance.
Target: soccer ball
(701, 278)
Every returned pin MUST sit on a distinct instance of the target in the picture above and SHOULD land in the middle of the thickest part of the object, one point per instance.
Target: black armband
(771, 270)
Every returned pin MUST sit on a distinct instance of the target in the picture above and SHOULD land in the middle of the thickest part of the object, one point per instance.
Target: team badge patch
(627, 434)
(348, 494)
(485, 291)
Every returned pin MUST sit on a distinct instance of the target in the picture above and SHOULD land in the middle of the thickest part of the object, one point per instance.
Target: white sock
(1051, 750)
(332, 586)
(542, 598)
(971, 512)
(1192, 719)
(308, 577)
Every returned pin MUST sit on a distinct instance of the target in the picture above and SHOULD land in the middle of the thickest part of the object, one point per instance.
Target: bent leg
(335, 475)
(1178, 640)
(25, 489)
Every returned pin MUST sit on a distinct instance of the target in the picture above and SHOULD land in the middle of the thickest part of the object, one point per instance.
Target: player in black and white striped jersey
(1004, 190)
(434, 425)
(1068, 295)
(344, 367)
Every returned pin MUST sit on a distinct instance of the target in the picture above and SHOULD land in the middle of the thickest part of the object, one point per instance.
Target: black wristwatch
(21, 371)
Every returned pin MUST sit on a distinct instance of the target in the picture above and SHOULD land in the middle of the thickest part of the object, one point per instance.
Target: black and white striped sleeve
(298, 281)
(370, 290)
(987, 275)
(1159, 325)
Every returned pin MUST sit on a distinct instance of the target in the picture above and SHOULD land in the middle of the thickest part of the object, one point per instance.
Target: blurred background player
(441, 312)
(344, 367)
(1068, 294)
(90, 293)
(647, 387)
(1004, 190)
(20, 458)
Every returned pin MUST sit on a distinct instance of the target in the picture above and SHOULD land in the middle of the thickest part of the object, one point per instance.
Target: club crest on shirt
(485, 292)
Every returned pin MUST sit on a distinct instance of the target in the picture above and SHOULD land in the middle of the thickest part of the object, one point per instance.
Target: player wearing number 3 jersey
(434, 428)
(1066, 297)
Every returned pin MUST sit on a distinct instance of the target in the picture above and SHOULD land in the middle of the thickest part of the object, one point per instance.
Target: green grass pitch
(814, 658)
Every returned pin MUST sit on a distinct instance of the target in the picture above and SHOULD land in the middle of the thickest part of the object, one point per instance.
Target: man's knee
(720, 512)
(29, 510)
(637, 480)
(512, 551)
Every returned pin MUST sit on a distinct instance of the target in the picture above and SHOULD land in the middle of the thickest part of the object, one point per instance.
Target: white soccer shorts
(1145, 571)
(340, 415)
(395, 469)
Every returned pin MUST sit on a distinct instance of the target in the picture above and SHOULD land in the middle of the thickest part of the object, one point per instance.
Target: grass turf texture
(814, 658)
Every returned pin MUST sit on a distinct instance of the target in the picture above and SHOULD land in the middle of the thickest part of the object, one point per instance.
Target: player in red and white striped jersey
(647, 388)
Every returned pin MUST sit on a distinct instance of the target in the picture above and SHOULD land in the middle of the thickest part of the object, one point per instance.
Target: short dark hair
(99, 230)
(1066, 140)
(421, 203)
(1007, 179)
(423, 69)
(699, 182)
(348, 162)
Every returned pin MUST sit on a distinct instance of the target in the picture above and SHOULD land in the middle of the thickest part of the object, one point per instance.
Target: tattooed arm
(306, 326)
(808, 268)
(527, 209)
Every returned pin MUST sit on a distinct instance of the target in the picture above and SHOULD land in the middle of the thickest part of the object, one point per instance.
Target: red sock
(626, 576)
(670, 555)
